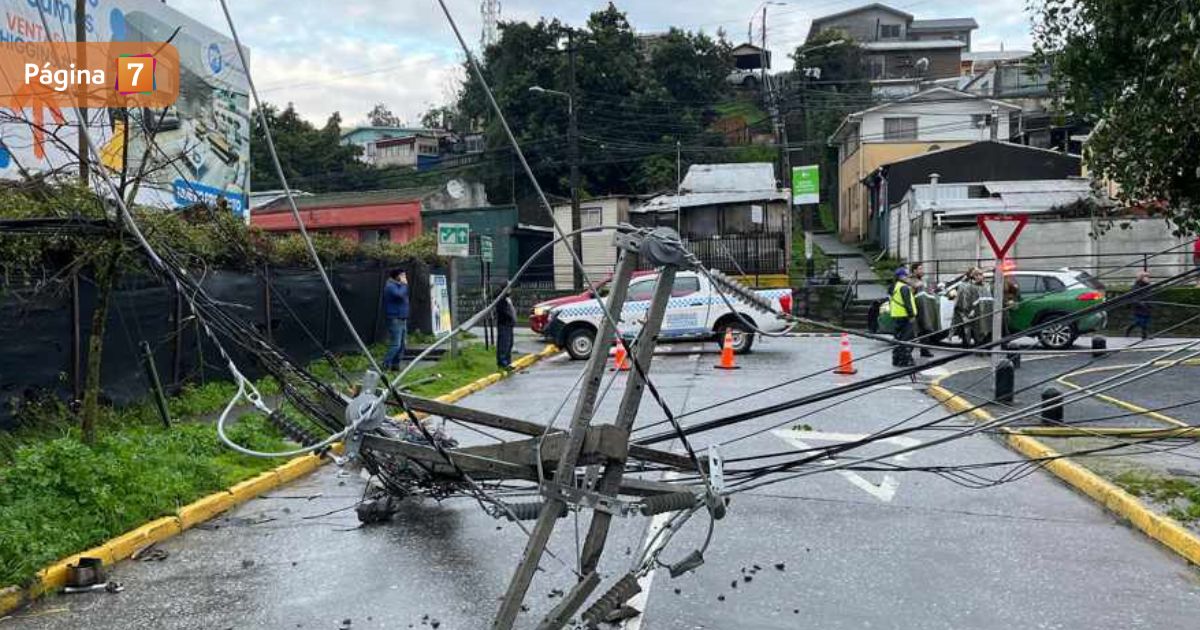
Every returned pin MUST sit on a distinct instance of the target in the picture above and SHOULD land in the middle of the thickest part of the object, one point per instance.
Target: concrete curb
(54, 577)
(1163, 529)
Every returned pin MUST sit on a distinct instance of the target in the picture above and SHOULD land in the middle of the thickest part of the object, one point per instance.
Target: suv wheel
(580, 343)
(1058, 336)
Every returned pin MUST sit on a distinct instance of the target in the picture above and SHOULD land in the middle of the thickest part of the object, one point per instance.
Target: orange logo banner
(102, 74)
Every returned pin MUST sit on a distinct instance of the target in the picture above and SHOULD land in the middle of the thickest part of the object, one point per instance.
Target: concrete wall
(1117, 254)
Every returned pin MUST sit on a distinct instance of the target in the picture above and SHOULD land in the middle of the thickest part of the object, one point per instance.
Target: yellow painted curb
(1164, 529)
(54, 577)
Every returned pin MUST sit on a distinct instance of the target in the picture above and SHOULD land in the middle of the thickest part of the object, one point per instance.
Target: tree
(381, 116)
(635, 99)
(1132, 67)
(313, 160)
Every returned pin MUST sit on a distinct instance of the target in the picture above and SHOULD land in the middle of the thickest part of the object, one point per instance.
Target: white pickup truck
(696, 311)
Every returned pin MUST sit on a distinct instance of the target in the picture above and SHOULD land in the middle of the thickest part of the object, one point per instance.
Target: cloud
(330, 56)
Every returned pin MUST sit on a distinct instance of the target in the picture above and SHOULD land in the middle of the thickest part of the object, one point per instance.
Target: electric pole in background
(81, 38)
(573, 138)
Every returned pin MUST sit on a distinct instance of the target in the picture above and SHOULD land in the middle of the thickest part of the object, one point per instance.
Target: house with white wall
(931, 120)
(599, 255)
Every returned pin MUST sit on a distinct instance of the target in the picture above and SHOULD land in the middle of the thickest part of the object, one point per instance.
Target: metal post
(573, 139)
(177, 350)
(643, 354)
(156, 388)
(565, 471)
(76, 341)
(998, 306)
(453, 279)
(266, 279)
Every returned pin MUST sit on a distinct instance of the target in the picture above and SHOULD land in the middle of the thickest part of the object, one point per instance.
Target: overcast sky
(345, 56)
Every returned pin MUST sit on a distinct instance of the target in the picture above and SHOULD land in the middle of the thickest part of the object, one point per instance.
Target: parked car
(695, 311)
(539, 315)
(746, 79)
(1045, 296)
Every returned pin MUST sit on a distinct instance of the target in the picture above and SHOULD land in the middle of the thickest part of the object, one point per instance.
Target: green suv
(1045, 296)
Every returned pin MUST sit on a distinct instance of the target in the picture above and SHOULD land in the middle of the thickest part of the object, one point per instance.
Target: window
(981, 121)
(641, 291)
(591, 217)
(367, 237)
(1029, 285)
(685, 285)
(889, 31)
(1053, 285)
(900, 128)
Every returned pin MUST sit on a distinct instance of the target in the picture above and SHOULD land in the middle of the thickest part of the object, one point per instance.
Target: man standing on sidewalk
(903, 308)
(506, 320)
(395, 310)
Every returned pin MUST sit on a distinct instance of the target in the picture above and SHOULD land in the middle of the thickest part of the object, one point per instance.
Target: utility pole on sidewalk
(573, 138)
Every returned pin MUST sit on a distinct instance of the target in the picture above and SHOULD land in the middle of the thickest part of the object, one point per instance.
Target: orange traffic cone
(845, 358)
(727, 352)
(622, 358)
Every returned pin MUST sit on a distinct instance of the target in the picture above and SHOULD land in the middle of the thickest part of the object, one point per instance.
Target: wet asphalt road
(866, 550)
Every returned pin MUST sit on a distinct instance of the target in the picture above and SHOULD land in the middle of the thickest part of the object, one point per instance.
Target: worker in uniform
(903, 310)
(925, 321)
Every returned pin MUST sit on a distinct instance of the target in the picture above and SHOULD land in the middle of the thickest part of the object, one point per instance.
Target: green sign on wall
(806, 184)
(454, 239)
(486, 250)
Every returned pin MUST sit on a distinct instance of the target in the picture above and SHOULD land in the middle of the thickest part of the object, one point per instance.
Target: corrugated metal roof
(717, 178)
(1014, 197)
(995, 55)
(345, 199)
(929, 44)
(668, 203)
(940, 23)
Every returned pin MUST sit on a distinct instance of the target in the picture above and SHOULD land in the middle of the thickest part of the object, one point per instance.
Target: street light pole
(573, 139)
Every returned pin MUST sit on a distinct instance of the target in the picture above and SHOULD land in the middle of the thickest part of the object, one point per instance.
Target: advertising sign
(806, 184)
(454, 239)
(439, 302)
(195, 149)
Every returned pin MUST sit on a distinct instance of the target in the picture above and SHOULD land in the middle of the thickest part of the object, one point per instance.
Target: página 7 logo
(62, 79)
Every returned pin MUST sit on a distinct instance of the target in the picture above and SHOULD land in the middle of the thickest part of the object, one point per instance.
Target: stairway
(856, 314)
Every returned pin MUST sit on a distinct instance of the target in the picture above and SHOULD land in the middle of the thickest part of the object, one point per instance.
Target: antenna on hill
(490, 11)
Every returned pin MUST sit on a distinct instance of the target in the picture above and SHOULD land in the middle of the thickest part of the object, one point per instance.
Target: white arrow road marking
(885, 490)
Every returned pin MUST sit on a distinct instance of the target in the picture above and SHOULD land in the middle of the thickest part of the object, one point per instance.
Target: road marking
(885, 490)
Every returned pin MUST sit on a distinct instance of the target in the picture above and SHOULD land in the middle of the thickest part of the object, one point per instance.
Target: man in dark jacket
(395, 310)
(1141, 308)
(506, 320)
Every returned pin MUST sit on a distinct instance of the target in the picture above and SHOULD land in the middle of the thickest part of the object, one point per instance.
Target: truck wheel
(580, 343)
(743, 337)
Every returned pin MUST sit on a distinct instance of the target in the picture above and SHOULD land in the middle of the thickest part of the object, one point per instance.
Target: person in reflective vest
(903, 309)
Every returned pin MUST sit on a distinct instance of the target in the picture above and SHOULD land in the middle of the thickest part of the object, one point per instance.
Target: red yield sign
(1002, 230)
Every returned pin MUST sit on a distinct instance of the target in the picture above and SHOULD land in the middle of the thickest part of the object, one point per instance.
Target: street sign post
(1001, 231)
(806, 191)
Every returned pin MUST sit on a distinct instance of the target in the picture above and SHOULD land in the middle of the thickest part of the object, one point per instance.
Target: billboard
(195, 150)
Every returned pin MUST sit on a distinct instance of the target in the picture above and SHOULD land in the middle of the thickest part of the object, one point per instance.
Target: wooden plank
(469, 463)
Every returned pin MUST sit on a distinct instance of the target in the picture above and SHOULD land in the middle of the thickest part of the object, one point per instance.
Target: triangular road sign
(1002, 230)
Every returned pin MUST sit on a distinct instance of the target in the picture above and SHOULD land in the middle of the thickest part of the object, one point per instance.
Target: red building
(377, 215)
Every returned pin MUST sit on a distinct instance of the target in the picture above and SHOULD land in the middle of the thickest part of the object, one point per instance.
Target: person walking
(1141, 308)
(395, 311)
(924, 322)
(903, 309)
(506, 320)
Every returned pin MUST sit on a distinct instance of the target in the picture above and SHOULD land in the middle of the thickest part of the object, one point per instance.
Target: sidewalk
(851, 261)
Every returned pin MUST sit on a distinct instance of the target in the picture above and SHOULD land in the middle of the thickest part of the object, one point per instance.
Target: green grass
(825, 216)
(821, 261)
(747, 108)
(1181, 496)
(59, 496)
